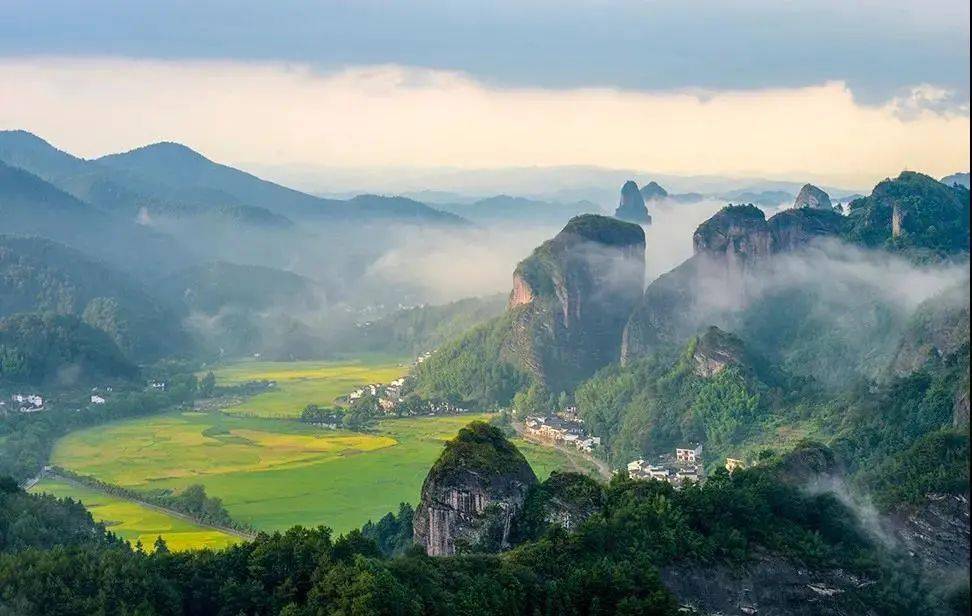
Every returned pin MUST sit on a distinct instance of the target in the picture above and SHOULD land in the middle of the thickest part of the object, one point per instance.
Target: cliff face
(472, 493)
(632, 205)
(572, 297)
(737, 233)
(713, 281)
(767, 585)
(794, 229)
(812, 197)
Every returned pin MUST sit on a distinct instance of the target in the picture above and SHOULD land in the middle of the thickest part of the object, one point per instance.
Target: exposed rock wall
(582, 286)
(472, 493)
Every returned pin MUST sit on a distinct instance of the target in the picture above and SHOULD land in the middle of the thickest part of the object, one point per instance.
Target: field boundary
(171, 512)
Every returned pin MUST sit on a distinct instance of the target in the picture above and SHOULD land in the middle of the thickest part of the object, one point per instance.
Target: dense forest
(612, 563)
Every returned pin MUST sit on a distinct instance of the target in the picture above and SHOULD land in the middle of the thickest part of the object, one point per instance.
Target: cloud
(878, 47)
(386, 116)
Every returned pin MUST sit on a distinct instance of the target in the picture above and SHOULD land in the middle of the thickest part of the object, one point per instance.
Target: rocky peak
(472, 493)
(572, 297)
(812, 197)
(737, 232)
(714, 350)
(632, 205)
(652, 191)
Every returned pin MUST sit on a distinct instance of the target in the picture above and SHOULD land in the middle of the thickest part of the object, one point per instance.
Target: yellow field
(301, 383)
(134, 522)
(273, 474)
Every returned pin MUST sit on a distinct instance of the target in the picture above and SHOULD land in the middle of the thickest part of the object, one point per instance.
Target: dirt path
(570, 453)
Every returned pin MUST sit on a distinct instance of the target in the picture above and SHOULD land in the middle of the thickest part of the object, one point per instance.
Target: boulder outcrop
(714, 350)
(472, 493)
(632, 208)
(812, 197)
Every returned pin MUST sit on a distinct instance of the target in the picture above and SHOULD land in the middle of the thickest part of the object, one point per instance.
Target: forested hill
(38, 275)
(58, 349)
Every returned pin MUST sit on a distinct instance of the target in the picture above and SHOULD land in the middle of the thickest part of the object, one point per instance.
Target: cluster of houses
(26, 403)
(679, 469)
(564, 428)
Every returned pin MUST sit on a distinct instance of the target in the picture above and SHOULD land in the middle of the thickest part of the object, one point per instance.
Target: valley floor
(270, 473)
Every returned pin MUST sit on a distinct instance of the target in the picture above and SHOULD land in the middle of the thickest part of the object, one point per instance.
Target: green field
(300, 383)
(134, 522)
(273, 474)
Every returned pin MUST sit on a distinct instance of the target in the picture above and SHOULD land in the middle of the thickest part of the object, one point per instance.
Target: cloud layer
(281, 114)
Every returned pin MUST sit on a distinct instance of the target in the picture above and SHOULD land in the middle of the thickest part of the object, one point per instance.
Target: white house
(96, 399)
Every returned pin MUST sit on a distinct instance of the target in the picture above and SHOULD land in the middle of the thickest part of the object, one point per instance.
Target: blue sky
(835, 90)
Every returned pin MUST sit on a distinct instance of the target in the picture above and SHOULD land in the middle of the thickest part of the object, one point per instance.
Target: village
(680, 469)
(564, 427)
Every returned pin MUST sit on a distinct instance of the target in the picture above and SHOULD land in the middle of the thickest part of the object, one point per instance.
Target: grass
(306, 382)
(274, 474)
(134, 522)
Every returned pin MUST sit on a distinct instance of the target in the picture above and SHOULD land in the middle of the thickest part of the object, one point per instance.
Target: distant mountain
(962, 179)
(32, 206)
(653, 191)
(173, 164)
(519, 209)
(171, 179)
(123, 192)
(631, 206)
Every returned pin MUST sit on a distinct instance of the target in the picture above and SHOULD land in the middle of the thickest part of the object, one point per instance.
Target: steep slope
(796, 287)
(631, 207)
(472, 493)
(43, 276)
(566, 312)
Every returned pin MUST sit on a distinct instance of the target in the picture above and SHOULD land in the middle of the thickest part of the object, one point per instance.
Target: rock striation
(812, 197)
(472, 493)
(632, 208)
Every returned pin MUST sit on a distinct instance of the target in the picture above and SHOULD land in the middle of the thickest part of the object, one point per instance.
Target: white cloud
(386, 116)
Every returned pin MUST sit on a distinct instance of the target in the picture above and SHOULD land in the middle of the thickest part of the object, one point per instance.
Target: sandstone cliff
(572, 297)
(632, 205)
(472, 493)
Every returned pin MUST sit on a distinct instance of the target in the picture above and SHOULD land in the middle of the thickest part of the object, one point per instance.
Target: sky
(833, 91)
